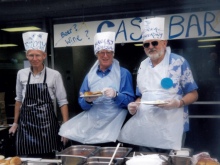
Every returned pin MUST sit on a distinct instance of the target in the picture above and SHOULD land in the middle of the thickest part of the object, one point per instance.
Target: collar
(42, 71)
(106, 71)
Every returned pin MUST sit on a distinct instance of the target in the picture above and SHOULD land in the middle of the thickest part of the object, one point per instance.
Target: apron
(152, 126)
(38, 126)
(103, 122)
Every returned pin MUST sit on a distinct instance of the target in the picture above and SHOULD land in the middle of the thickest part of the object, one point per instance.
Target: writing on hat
(35, 40)
(104, 40)
(152, 28)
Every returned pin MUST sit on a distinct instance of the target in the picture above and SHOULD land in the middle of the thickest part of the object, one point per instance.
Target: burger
(15, 160)
(207, 161)
(89, 93)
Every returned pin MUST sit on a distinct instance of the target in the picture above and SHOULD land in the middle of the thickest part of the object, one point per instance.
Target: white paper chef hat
(35, 40)
(153, 28)
(104, 40)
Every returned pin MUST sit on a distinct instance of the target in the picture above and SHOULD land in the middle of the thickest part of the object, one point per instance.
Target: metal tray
(131, 154)
(122, 152)
(181, 160)
(98, 163)
(183, 152)
(97, 160)
(107, 152)
(77, 154)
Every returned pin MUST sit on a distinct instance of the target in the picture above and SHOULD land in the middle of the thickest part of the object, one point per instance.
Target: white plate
(153, 102)
(92, 95)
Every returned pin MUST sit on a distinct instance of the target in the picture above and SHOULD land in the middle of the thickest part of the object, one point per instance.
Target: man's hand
(132, 107)
(13, 128)
(109, 92)
(171, 104)
(90, 99)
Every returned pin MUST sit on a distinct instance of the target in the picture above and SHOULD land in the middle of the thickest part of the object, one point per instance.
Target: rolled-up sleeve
(60, 91)
(126, 92)
(19, 96)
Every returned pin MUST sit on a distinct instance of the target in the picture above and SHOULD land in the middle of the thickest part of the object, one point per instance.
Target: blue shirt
(125, 93)
(187, 83)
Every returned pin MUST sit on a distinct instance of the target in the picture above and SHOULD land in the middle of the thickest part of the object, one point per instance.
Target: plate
(92, 95)
(159, 102)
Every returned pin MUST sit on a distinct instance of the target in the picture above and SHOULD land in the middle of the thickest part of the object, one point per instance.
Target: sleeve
(18, 88)
(84, 87)
(60, 90)
(126, 91)
(187, 81)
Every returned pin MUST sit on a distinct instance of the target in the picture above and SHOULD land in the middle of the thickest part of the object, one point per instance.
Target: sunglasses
(153, 43)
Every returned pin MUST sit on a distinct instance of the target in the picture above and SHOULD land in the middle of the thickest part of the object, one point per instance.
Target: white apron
(102, 123)
(152, 126)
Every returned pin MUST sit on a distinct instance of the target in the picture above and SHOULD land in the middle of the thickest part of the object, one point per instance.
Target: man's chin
(153, 56)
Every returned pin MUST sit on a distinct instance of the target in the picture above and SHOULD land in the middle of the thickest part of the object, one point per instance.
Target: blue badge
(166, 83)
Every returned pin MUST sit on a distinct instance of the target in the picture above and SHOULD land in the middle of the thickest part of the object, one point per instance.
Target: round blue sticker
(166, 83)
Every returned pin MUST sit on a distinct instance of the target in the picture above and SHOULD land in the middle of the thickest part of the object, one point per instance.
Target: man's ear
(44, 55)
(165, 42)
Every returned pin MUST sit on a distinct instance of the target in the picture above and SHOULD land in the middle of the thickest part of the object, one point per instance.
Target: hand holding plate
(171, 104)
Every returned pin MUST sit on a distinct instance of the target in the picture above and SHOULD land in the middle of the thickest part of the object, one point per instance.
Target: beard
(154, 54)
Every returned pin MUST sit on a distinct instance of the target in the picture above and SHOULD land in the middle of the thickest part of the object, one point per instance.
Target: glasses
(103, 53)
(153, 43)
(31, 56)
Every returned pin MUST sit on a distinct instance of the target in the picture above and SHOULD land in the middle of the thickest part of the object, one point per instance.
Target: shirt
(53, 80)
(125, 93)
(187, 83)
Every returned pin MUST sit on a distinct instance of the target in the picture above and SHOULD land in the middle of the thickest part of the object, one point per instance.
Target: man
(165, 81)
(37, 87)
(103, 116)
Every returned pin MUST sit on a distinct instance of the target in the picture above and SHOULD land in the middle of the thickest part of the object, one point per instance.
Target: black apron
(38, 125)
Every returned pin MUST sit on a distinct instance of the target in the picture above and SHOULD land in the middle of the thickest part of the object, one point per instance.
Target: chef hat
(35, 40)
(104, 40)
(153, 28)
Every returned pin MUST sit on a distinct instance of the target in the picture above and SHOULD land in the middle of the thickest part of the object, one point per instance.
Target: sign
(177, 26)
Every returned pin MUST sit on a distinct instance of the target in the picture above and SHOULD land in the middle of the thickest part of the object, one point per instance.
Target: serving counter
(94, 155)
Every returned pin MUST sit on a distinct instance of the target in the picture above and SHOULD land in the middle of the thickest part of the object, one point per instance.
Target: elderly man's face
(35, 57)
(155, 49)
(105, 58)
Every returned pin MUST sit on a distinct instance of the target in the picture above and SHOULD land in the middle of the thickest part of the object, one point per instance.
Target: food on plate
(15, 160)
(159, 102)
(2, 162)
(204, 158)
(89, 93)
(11, 161)
(207, 161)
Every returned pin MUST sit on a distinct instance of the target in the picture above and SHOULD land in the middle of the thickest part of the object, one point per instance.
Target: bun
(15, 161)
(2, 162)
(7, 162)
(12, 161)
(207, 162)
(89, 93)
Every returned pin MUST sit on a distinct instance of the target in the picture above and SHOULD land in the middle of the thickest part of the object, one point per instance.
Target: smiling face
(36, 58)
(105, 58)
(155, 50)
